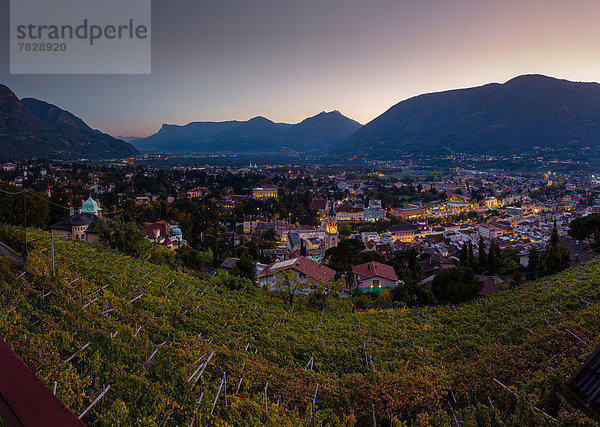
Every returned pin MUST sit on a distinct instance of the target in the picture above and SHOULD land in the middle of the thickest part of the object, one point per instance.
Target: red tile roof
(302, 265)
(320, 204)
(375, 269)
(161, 226)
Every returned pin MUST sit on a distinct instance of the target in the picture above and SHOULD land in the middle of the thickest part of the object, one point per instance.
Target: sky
(216, 60)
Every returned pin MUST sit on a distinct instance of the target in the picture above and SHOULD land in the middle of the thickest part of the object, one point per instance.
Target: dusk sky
(287, 60)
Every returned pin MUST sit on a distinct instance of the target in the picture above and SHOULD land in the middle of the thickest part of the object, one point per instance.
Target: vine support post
(25, 223)
(52, 250)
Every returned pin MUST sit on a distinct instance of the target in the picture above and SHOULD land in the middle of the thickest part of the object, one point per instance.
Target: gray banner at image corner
(80, 37)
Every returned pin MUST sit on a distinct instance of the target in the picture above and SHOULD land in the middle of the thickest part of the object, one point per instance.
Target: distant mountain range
(32, 128)
(528, 113)
(321, 132)
(517, 116)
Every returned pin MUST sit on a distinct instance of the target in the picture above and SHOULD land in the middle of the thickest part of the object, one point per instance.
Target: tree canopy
(586, 227)
(455, 285)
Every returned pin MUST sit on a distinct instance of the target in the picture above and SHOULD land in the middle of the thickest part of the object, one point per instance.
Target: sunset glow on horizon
(215, 61)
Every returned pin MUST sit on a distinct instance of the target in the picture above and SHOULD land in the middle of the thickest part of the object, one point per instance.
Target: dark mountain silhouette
(328, 128)
(517, 116)
(33, 128)
(128, 138)
(256, 135)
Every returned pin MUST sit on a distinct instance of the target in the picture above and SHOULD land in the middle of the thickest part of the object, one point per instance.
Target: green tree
(556, 257)
(195, 259)
(586, 227)
(291, 284)
(455, 285)
(493, 258)
(470, 255)
(384, 299)
(302, 248)
(406, 265)
(344, 229)
(532, 266)
(269, 235)
(463, 255)
(161, 255)
(12, 207)
(125, 236)
(345, 254)
(245, 267)
(482, 255)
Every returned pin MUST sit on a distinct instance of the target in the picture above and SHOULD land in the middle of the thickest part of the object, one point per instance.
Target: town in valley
(358, 224)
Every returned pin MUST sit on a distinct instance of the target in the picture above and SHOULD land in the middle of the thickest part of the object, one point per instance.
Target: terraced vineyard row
(163, 340)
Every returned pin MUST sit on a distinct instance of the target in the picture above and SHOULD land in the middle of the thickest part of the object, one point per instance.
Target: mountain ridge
(525, 112)
(33, 128)
(254, 135)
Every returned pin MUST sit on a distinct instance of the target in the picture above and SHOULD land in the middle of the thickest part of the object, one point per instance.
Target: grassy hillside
(415, 367)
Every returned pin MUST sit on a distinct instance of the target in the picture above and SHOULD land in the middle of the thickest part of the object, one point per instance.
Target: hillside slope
(526, 112)
(150, 329)
(34, 128)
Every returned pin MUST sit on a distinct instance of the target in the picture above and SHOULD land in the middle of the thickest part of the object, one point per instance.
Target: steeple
(331, 229)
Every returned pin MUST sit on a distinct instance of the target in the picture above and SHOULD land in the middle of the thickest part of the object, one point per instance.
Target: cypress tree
(482, 255)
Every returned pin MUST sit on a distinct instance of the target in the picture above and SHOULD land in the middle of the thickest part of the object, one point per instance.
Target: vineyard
(169, 348)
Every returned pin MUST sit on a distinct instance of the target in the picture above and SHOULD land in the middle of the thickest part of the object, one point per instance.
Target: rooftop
(302, 265)
(375, 269)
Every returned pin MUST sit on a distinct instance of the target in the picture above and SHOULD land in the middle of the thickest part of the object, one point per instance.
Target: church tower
(332, 236)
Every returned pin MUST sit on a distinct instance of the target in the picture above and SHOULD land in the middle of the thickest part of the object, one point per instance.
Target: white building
(374, 276)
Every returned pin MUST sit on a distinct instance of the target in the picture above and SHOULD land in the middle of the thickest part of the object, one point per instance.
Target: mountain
(256, 135)
(328, 128)
(33, 128)
(128, 139)
(526, 112)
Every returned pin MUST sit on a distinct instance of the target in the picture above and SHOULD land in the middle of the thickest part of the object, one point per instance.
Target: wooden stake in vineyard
(313, 408)
(94, 402)
(196, 410)
(266, 398)
(218, 393)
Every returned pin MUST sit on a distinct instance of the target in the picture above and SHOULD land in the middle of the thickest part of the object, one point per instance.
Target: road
(7, 251)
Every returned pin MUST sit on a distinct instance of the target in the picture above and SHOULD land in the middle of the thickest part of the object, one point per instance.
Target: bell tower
(332, 236)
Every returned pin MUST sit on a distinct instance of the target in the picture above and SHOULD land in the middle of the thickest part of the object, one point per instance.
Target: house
(374, 276)
(366, 236)
(81, 226)
(304, 268)
(585, 383)
(514, 211)
(251, 222)
(264, 193)
(489, 286)
(375, 211)
(488, 232)
(321, 205)
(491, 202)
(24, 399)
(347, 212)
(142, 200)
(403, 232)
(409, 211)
(163, 233)
(229, 263)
